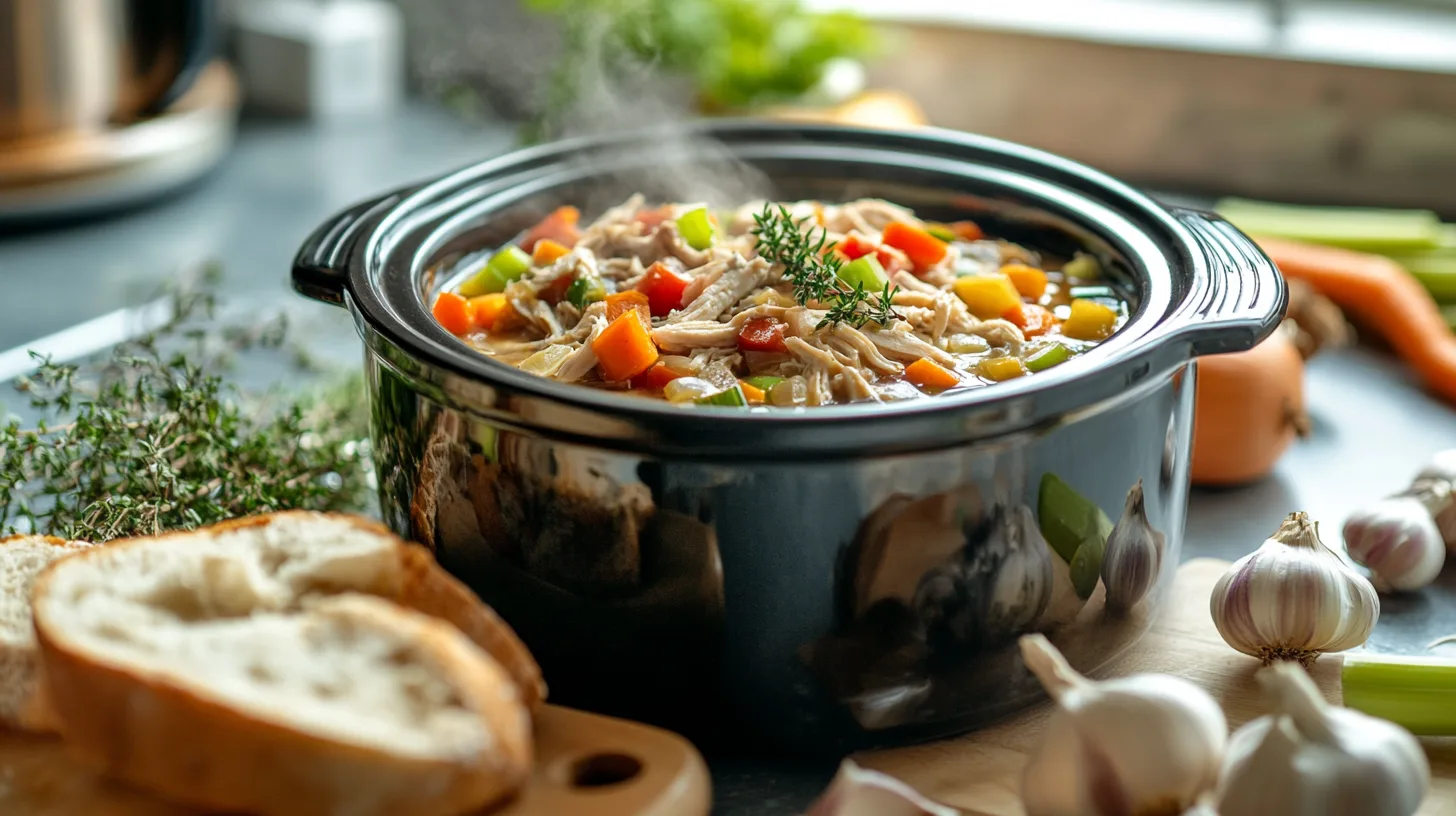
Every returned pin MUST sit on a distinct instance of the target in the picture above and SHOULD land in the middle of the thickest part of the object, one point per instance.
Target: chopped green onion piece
(866, 272)
(732, 397)
(1418, 693)
(585, 290)
(764, 382)
(1055, 354)
(503, 267)
(941, 231)
(1082, 267)
(547, 361)
(696, 229)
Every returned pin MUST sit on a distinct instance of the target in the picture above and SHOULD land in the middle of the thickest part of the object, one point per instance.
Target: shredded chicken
(584, 359)
(738, 279)
(687, 335)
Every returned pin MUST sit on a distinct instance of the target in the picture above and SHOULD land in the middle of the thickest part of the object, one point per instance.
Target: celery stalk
(1366, 229)
(1418, 693)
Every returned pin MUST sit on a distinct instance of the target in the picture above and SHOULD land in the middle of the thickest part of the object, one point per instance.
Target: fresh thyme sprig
(152, 439)
(814, 273)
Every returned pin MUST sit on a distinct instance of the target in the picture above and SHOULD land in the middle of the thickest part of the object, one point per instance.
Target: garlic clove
(1397, 540)
(1145, 744)
(1439, 480)
(1313, 759)
(857, 791)
(1294, 598)
(1133, 556)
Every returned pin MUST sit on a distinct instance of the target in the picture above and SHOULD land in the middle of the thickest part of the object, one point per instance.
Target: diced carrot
(1029, 281)
(664, 289)
(928, 374)
(762, 334)
(656, 377)
(487, 309)
(548, 252)
(559, 226)
(1036, 320)
(624, 349)
(753, 393)
(923, 249)
(630, 300)
(453, 312)
(967, 230)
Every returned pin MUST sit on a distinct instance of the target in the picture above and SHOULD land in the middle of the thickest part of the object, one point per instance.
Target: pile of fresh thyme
(814, 272)
(152, 438)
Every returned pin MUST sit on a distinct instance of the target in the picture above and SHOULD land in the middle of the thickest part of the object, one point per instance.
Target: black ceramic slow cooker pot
(820, 579)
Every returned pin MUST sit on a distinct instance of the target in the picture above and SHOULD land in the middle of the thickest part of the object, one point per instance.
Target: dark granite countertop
(1373, 426)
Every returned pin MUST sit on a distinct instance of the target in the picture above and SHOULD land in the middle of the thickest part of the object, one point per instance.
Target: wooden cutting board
(585, 763)
(981, 772)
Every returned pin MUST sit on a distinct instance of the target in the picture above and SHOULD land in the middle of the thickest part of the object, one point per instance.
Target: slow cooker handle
(321, 267)
(1238, 296)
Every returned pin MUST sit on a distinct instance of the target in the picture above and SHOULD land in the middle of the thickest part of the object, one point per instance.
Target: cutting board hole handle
(604, 770)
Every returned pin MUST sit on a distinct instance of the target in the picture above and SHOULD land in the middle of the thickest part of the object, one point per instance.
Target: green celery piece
(505, 266)
(1052, 355)
(1068, 520)
(1086, 567)
(865, 271)
(1367, 229)
(942, 232)
(1418, 693)
(583, 291)
(696, 229)
(764, 382)
(732, 397)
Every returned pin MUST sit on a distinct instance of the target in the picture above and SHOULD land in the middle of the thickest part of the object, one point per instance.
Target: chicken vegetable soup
(781, 304)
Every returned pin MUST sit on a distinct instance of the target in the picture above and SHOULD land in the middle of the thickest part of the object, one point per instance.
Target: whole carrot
(1380, 295)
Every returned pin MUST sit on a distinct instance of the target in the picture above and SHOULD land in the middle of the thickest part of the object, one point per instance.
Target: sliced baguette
(22, 558)
(281, 561)
(354, 706)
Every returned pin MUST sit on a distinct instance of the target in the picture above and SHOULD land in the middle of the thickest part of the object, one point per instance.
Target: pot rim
(1204, 288)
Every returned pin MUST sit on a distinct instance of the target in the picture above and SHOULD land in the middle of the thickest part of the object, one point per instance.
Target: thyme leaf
(814, 272)
(151, 438)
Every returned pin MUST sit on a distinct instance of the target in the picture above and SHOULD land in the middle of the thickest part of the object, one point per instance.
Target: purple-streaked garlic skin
(1293, 598)
(858, 791)
(1133, 556)
(1397, 540)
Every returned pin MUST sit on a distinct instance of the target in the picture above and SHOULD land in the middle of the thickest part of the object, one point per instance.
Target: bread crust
(23, 706)
(168, 736)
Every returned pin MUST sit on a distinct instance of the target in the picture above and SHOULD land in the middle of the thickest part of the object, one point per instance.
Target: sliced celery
(941, 231)
(1052, 355)
(503, 267)
(865, 271)
(696, 228)
(583, 291)
(732, 397)
(764, 382)
(1368, 229)
(1418, 693)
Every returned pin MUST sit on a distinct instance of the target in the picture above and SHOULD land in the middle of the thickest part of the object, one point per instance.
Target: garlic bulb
(1149, 744)
(1397, 540)
(1294, 598)
(1312, 759)
(1436, 483)
(857, 791)
(1133, 556)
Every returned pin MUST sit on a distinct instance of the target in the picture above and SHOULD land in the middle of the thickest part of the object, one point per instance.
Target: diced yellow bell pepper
(998, 369)
(989, 296)
(1029, 281)
(1090, 320)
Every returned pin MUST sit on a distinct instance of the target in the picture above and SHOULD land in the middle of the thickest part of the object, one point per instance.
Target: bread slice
(183, 682)
(280, 561)
(22, 558)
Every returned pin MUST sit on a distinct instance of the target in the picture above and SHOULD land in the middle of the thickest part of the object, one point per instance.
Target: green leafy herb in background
(738, 54)
(153, 439)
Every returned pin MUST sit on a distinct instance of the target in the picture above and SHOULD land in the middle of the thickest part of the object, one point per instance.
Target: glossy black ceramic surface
(823, 579)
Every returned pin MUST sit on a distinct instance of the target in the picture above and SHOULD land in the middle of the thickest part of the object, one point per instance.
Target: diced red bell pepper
(656, 378)
(560, 226)
(923, 249)
(853, 247)
(663, 287)
(555, 291)
(892, 260)
(650, 219)
(762, 334)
